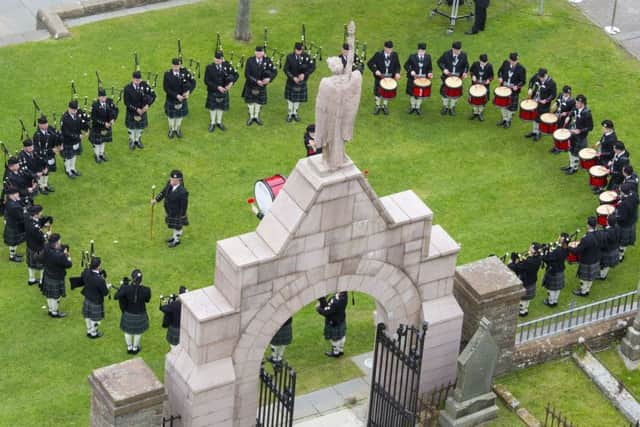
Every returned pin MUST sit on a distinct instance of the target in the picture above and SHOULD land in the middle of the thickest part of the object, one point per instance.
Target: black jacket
(134, 298)
(485, 74)
(71, 128)
(95, 287)
(101, 115)
(609, 239)
(134, 99)
(175, 201)
(34, 236)
(527, 270)
(334, 310)
(177, 85)
(56, 263)
(172, 312)
(512, 76)
(627, 211)
(582, 120)
(617, 163)
(303, 64)
(606, 147)
(214, 78)
(44, 142)
(14, 216)
(456, 66)
(387, 67)
(555, 259)
(588, 249)
(254, 72)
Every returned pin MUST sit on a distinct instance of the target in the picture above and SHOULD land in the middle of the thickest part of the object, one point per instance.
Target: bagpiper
(219, 76)
(138, 97)
(178, 83)
(104, 113)
(298, 67)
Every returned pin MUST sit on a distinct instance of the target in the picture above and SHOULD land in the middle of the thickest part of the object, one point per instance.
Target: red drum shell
(598, 176)
(561, 139)
(453, 87)
(388, 88)
(528, 110)
(502, 96)
(421, 88)
(266, 190)
(573, 258)
(478, 95)
(588, 158)
(548, 123)
(603, 212)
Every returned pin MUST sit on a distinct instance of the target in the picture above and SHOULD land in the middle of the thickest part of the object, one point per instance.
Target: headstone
(630, 346)
(473, 402)
(126, 394)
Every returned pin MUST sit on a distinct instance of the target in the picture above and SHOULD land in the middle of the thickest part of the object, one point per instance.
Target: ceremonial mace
(153, 197)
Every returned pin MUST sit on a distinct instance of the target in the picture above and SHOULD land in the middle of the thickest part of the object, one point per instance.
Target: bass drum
(266, 190)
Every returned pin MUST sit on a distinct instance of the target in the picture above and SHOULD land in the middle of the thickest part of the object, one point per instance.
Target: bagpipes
(87, 258)
(82, 112)
(541, 249)
(190, 75)
(360, 51)
(148, 89)
(169, 299)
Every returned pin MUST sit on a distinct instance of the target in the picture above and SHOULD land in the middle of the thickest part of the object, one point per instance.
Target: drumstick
(153, 196)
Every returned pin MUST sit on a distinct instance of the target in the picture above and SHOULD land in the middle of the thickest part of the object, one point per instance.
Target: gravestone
(630, 345)
(473, 402)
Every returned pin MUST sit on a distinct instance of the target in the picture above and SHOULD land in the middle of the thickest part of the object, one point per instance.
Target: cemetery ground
(493, 190)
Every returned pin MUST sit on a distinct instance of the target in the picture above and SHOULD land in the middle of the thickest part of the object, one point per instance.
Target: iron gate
(395, 380)
(277, 395)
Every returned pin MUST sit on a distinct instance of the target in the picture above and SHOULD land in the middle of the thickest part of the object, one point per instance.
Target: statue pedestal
(469, 412)
(630, 346)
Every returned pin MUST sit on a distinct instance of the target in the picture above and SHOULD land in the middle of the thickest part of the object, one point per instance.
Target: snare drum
(388, 88)
(608, 198)
(421, 87)
(528, 110)
(478, 95)
(572, 257)
(598, 176)
(603, 212)
(453, 87)
(548, 123)
(266, 190)
(502, 96)
(561, 139)
(588, 158)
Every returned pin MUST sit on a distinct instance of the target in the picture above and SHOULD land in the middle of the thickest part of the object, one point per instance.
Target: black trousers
(480, 18)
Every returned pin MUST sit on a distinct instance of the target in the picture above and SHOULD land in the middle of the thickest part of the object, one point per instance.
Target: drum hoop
(587, 151)
(502, 91)
(388, 83)
(476, 88)
(562, 133)
(605, 209)
(453, 82)
(422, 82)
(549, 116)
(261, 188)
(529, 104)
(608, 196)
(598, 171)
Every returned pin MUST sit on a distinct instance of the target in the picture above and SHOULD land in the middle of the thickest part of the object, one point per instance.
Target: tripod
(453, 16)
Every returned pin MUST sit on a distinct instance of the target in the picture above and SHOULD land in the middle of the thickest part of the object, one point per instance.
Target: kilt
(530, 291)
(13, 236)
(610, 259)
(628, 235)
(515, 101)
(51, 164)
(92, 311)
(553, 281)
(131, 123)
(53, 288)
(217, 101)
(589, 272)
(176, 222)
(296, 92)
(334, 332)
(577, 144)
(96, 137)
(175, 113)
(34, 258)
(284, 336)
(134, 324)
(68, 152)
(254, 94)
(173, 335)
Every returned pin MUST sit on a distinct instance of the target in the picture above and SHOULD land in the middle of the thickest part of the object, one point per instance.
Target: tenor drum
(502, 96)
(453, 87)
(421, 87)
(266, 190)
(478, 95)
(572, 257)
(388, 88)
(528, 110)
(608, 198)
(548, 123)
(588, 158)
(598, 176)
(561, 139)
(603, 212)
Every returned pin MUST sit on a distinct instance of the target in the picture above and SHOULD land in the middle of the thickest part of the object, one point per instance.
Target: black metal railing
(554, 418)
(577, 316)
(277, 396)
(430, 405)
(395, 380)
(168, 422)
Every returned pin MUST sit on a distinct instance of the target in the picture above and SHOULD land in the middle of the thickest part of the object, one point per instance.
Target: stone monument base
(469, 412)
(630, 345)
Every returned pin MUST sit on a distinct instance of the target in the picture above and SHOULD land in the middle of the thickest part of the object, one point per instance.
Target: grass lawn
(563, 385)
(491, 189)
(612, 361)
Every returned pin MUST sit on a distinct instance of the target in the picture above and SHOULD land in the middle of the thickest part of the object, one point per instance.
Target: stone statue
(337, 106)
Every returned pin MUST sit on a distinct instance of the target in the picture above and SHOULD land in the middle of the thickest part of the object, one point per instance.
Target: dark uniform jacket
(45, 142)
(134, 298)
(34, 236)
(14, 216)
(627, 211)
(100, 114)
(512, 77)
(527, 271)
(565, 107)
(30, 163)
(95, 287)
(606, 147)
(388, 67)
(21, 181)
(484, 75)
(56, 263)
(580, 119)
(254, 72)
(334, 310)
(617, 163)
(543, 91)
(357, 63)
(177, 85)
(456, 66)
(421, 68)
(175, 202)
(555, 259)
(609, 239)
(172, 311)
(71, 128)
(137, 98)
(588, 248)
(633, 179)
(298, 64)
(214, 77)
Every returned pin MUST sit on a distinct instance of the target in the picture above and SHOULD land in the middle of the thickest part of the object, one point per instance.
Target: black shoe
(537, 137)
(221, 127)
(470, 33)
(31, 283)
(170, 240)
(501, 123)
(296, 117)
(132, 145)
(43, 191)
(481, 117)
(579, 293)
(170, 134)
(97, 159)
(384, 110)
(548, 304)
(136, 350)
(571, 171)
(70, 175)
(129, 351)
(376, 110)
(411, 110)
(250, 121)
(523, 314)
(212, 127)
(103, 158)
(58, 315)
(452, 111)
(507, 124)
(444, 110)
(529, 135)
(554, 150)
(49, 189)
(565, 168)
(139, 144)
(96, 336)
(178, 133)
(15, 258)
(258, 121)
(473, 116)
(76, 173)
(621, 258)
(418, 111)
(289, 118)
(174, 243)
(331, 354)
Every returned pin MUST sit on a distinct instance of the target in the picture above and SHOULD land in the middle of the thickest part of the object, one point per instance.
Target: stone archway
(326, 231)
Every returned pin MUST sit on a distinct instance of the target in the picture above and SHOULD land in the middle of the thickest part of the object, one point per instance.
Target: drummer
(627, 217)
(619, 161)
(630, 177)
(564, 106)
(385, 63)
(580, 124)
(513, 75)
(453, 62)
(418, 65)
(589, 251)
(609, 248)
(606, 142)
(481, 73)
(542, 89)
